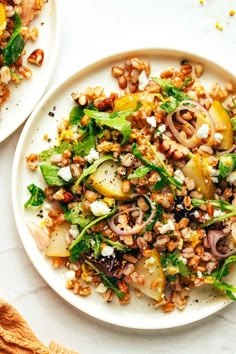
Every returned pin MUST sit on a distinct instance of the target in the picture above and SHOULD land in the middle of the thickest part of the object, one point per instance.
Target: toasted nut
(122, 81)
(117, 71)
(36, 57)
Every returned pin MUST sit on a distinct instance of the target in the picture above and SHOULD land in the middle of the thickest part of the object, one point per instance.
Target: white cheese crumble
(152, 121)
(166, 227)
(179, 176)
(70, 275)
(65, 173)
(213, 172)
(92, 156)
(218, 137)
(215, 179)
(99, 208)
(101, 288)
(196, 214)
(203, 131)
(199, 274)
(180, 206)
(143, 80)
(73, 231)
(149, 264)
(231, 178)
(107, 251)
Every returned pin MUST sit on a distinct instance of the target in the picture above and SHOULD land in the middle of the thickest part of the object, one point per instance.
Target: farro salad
(15, 18)
(141, 187)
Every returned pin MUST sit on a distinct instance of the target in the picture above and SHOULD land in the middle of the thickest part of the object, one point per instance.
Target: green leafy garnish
(223, 271)
(219, 204)
(139, 172)
(164, 174)
(88, 226)
(83, 246)
(47, 154)
(76, 114)
(227, 163)
(37, 196)
(158, 215)
(15, 45)
(115, 120)
(172, 260)
(91, 169)
(75, 216)
(233, 121)
(174, 95)
(87, 143)
(50, 174)
(109, 282)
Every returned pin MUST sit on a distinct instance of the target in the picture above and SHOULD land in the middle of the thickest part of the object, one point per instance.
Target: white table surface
(92, 29)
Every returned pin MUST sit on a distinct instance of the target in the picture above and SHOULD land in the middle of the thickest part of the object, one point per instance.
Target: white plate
(27, 94)
(139, 313)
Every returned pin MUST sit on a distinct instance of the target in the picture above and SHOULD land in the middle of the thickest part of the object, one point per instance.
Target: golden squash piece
(106, 181)
(151, 269)
(222, 118)
(3, 21)
(58, 247)
(197, 169)
(130, 102)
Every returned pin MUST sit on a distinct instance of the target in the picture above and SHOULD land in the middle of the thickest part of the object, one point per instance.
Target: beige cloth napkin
(16, 336)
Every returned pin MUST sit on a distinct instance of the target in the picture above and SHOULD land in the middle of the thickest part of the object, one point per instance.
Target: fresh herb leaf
(37, 196)
(233, 121)
(15, 45)
(223, 271)
(174, 94)
(116, 244)
(91, 169)
(82, 247)
(227, 163)
(173, 260)
(109, 282)
(88, 226)
(139, 172)
(161, 170)
(158, 215)
(76, 114)
(84, 146)
(115, 120)
(75, 215)
(50, 174)
(186, 82)
(47, 154)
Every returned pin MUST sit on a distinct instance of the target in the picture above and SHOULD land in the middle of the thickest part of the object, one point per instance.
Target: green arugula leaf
(172, 260)
(75, 216)
(227, 163)
(91, 169)
(37, 196)
(161, 170)
(89, 142)
(223, 271)
(50, 174)
(15, 45)
(115, 120)
(82, 247)
(47, 154)
(139, 172)
(88, 226)
(76, 114)
(109, 282)
(158, 215)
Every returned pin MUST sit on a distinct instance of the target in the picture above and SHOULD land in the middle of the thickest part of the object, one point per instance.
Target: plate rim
(115, 56)
(51, 68)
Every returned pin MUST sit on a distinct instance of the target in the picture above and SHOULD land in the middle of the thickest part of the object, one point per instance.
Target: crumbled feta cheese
(65, 173)
(107, 251)
(215, 179)
(196, 214)
(169, 226)
(99, 208)
(180, 206)
(73, 231)
(70, 275)
(143, 80)
(218, 138)
(231, 178)
(184, 260)
(199, 274)
(213, 172)
(203, 131)
(149, 264)
(161, 129)
(92, 156)
(216, 214)
(101, 288)
(179, 176)
(152, 121)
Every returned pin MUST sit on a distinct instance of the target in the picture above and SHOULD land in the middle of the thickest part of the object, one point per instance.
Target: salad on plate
(140, 190)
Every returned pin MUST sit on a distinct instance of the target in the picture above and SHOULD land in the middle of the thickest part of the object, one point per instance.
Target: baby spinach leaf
(83, 147)
(15, 45)
(37, 196)
(76, 114)
(47, 154)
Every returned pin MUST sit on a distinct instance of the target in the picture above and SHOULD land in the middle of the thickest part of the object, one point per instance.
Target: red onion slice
(198, 108)
(136, 228)
(213, 237)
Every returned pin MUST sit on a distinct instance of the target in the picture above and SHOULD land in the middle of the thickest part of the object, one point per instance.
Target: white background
(90, 30)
